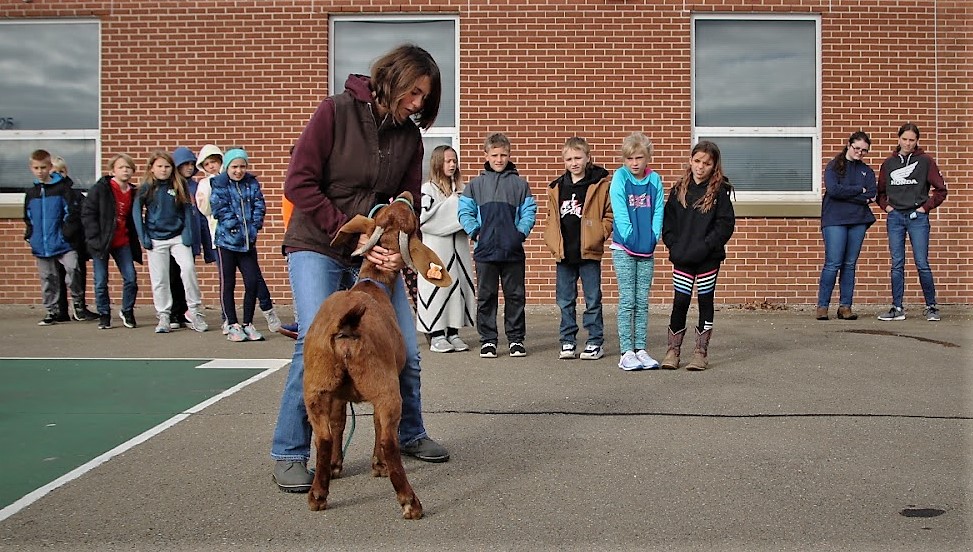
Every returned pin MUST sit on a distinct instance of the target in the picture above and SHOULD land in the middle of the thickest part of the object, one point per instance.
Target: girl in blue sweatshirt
(163, 220)
(637, 200)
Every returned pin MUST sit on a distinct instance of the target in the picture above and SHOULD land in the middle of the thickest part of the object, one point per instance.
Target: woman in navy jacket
(850, 187)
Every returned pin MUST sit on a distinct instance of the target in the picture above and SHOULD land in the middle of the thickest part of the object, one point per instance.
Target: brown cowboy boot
(845, 313)
(671, 362)
(699, 361)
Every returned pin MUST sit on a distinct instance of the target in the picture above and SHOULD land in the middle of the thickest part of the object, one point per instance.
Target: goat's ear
(350, 230)
(428, 264)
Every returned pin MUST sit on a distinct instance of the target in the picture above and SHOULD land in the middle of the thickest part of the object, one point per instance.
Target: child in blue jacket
(238, 206)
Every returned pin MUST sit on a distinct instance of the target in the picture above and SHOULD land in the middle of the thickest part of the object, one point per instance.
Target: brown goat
(354, 351)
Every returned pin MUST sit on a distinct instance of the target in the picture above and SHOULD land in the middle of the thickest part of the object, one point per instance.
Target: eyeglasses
(858, 149)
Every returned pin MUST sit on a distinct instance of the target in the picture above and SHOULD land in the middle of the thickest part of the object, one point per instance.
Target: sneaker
(104, 322)
(234, 332)
(62, 316)
(440, 344)
(273, 321)
(128, 318)
(292, 476)
(517, 349)
(629, 362)
(488, 350)
(895, 313)
(458, 344)
(51, 318)
(427, 450)
(568, 352)
(196, 321)
(592, 352)
(81, 313)
(647, 361)
(163, 326)
(225, 328)
(932, 313)
(252, 333)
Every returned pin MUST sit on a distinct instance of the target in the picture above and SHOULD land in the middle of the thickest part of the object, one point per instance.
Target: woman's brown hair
(716, 180)
(394, 74)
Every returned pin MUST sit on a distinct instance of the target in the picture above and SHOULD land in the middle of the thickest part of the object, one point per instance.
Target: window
(49, 97)
(756, 93)
(357, 41)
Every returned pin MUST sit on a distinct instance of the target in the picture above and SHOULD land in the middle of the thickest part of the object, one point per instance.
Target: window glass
(49, 97)
(766, 164)
(357, 43)
(50, 75)
(755, 73)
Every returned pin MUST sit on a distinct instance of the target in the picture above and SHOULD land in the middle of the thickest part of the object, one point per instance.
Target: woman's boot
(671, 362)
(699, 361)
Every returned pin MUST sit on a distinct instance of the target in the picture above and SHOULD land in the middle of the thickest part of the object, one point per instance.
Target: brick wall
(250, 73)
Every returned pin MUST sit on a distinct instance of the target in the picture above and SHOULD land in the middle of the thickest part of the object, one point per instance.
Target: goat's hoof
(380, 471)
(410, 511)
(316, 504)
(335, 472)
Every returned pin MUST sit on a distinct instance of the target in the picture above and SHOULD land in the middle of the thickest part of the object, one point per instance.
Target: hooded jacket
(904, 182)
(159, 217)
(346, 161)
(51, 215)
(498, 211)
(844, 201)
(99, 216)
(239, 209)
(594, 221)
(637, 206)
(695, 238)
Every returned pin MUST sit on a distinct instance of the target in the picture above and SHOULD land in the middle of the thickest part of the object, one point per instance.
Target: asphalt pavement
(803, 435)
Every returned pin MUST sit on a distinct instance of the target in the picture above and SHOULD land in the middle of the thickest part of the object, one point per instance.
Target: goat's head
(394, 227)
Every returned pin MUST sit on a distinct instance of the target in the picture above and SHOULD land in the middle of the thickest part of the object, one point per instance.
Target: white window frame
(812, 132)
(17, 198)
(436, 131)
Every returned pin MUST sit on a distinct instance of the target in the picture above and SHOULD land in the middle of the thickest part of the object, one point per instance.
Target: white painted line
(254, 363)
(35, 495)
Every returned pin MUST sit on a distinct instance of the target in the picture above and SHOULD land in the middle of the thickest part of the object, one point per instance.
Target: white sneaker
(252, 333)
(592, 352)
(647, 361)
(440, 344)
(629, 362)
(273, 321)
(196, 321)
(163, 326)
(568, 351)
(457, 343)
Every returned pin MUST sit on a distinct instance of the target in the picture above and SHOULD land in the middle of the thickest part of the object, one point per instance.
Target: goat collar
(371, 214)
(384, 287)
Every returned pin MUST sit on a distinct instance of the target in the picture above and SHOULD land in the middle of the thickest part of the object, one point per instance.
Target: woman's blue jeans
(126, 267)
(566, 291)
(842, 245)
(313, 278)
(898, 224)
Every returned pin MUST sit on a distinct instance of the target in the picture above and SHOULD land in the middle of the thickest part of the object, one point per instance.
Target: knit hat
(183, 155)
(207, 151)
(234, 154)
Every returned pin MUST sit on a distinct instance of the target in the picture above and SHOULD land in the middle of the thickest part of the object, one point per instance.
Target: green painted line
(57, 414)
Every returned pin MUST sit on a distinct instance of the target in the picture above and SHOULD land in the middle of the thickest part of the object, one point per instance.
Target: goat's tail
(347, 334)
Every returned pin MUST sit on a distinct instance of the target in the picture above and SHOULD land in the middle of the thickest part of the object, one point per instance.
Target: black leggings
(683, 280)
(230, 261)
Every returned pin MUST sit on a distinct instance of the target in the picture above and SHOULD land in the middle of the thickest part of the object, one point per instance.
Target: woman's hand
(381, 257)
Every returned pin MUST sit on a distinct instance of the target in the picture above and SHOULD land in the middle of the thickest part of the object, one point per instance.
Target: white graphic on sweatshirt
(571, 207)
(900, 177)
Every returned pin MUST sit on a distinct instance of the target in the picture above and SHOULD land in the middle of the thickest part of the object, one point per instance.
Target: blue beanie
(184, 155)
(235, 153)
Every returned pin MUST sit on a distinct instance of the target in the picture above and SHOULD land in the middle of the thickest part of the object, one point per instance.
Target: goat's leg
(379, 467)
(387, 416)
(338, 419)
(318, 413)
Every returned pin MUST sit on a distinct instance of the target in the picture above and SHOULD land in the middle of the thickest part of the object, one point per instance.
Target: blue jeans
(567, 297)
(842, 245)
(313, 278)
(126, 266)
(898, 224)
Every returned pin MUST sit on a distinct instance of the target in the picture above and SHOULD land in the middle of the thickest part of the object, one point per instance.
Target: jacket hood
(183, 155)
(208, 150)
(592, 175)
(55, 178)
(898, 151)
(360, 87)
(508, 169)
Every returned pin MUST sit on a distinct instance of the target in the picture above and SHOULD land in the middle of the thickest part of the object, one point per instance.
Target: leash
(351, 432)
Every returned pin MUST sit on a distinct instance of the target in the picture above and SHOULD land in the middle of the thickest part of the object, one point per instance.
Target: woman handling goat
(335, 173)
